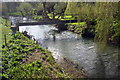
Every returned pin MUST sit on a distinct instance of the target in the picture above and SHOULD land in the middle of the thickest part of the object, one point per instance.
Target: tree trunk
(22, 14)
(45, 16)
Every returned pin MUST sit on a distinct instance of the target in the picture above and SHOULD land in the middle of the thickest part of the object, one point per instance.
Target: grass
(68, 19)
(78, 24)
(4, 31)
(20, 48)
(0, 37)
(15, 14)
(22, 59)
(37, 17)
(61, 18)
(50, 16)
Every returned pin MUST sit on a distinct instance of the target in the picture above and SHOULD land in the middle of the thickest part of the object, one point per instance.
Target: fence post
(5, 39)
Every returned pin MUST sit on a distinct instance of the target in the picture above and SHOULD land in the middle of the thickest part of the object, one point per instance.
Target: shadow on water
(99, 68)
(108, 61)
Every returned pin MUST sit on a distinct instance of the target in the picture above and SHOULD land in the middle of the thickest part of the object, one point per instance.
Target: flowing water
(85, 52)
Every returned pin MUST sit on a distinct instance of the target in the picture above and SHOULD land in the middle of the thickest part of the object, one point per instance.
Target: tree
(4, 9)
(104, 13)
(25, 9)
(12, 6)
(59, 9)
(52, 8)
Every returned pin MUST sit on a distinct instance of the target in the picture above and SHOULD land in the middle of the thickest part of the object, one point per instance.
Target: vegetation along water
(72, 40)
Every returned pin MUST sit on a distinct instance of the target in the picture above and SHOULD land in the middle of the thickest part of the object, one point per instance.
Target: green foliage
(32, 70)
(67, 18)
(115, 32)
(51, 9)
(13, 55)
(77, 27)
(37, 17)
(78, 24)
(15, 14)
(104, 13)
(20, 47)
(25, 9)
(40, 7)
(4, 22)
(4, 9)
(5, 30)
(59, 7)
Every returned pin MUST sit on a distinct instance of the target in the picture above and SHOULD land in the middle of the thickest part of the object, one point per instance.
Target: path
(67, 66)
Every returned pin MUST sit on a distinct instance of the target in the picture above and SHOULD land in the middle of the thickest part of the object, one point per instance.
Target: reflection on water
(82, 51)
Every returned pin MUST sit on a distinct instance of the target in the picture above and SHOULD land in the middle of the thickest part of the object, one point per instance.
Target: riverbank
(22, 58)
(89, 30)
(72, 69)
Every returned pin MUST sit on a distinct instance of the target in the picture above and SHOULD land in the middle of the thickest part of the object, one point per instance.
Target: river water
(97, 63)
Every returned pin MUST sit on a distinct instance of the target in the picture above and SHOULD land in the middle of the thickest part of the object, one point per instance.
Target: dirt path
(67, 66)
(32, 57)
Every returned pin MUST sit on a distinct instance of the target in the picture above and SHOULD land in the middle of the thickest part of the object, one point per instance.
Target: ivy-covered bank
(22, 58)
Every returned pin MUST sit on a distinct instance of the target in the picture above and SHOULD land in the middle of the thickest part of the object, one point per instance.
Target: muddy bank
(72, 69)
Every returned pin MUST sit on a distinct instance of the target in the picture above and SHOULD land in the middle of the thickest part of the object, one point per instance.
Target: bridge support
(14, 28)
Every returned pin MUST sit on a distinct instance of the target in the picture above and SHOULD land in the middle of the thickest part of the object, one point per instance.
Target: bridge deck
(45, 22)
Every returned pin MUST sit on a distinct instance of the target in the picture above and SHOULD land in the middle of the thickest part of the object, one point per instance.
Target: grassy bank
(17, 50)
(22, 58)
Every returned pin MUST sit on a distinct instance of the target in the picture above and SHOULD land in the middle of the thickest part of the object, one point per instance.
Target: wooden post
(17, 26)
(5, 40)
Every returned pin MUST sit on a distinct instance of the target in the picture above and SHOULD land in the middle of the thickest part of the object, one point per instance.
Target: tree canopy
(25, 8)
(104, 13)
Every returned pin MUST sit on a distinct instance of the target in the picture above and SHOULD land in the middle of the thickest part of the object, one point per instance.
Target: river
(85, 52)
